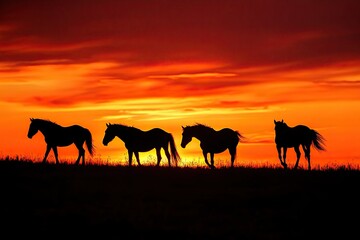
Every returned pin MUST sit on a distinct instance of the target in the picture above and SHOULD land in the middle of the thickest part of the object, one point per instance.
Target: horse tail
(318, 140)
(89, 142)
(239, 136)
(174, 153)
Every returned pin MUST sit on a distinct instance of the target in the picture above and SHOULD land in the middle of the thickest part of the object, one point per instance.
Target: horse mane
(284, 124)
(202, 126)
(122, 125)
(45, 121)
(125, 126)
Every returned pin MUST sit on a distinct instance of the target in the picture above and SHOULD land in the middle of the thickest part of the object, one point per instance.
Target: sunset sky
(236, 64)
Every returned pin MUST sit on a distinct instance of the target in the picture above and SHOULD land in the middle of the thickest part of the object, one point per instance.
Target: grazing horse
(212, 141)
(137, 140)
(59, 136)
(292, 137)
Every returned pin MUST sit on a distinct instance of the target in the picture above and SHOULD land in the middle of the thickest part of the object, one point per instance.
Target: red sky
(236, 64)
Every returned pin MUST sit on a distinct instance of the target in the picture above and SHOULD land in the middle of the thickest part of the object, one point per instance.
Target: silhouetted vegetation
(117, 202)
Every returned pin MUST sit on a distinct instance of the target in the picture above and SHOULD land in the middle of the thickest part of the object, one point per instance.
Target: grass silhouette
(177, 203)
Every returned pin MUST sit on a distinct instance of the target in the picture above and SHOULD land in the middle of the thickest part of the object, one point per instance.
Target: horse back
(294, 136)
(228, 133)
(64, 136)
(75, 129)
(157, 131)
(143, 141)
(224, 137)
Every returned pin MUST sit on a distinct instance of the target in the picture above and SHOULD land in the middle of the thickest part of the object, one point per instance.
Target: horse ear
(31, 119)
(107, 124)
(274, 121)
(282, 120)
(183, 127)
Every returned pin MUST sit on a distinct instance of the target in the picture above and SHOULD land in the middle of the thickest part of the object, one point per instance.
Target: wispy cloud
(195, 75)
(252, 54)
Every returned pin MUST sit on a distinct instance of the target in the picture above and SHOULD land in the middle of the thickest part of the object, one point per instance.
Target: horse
(212, 141)
(137, 140)
(292, 137)
(59, 136)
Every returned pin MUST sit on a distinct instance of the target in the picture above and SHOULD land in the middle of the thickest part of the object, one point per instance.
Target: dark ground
(115, 202)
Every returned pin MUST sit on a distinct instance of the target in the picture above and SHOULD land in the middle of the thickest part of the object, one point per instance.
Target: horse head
(109, 134)
(33, 128)
(186, 136)
(280, 125)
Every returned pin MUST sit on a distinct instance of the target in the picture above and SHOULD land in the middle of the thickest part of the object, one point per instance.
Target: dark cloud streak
(238, 32)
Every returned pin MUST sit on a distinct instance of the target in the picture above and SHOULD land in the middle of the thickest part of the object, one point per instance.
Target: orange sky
(236, 64)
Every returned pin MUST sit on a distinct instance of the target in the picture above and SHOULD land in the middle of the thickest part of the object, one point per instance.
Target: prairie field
(119, 202)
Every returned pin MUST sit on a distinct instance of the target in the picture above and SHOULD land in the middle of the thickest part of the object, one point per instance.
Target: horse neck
(122, 132)
(47, 128)
(283, 132)
(201, 134)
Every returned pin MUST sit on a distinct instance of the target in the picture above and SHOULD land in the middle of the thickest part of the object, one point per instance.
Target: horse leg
(81, 154)
(137, 158)
(278, 148)
(212, 160)
(205, 157)
(83, 158)
(167, 153)
(158, 155)
(48, 148)
(284, 157)
(130, 153)
(233, 154)
(307, 154)
(298, 155)
(54, 148)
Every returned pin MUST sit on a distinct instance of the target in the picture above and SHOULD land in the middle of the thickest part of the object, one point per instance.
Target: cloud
(240, 54)
(240, 33)
(71, 85)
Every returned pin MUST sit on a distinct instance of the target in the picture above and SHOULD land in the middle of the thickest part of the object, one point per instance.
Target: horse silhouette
(292, 137)
(59, 136)
(137, 140)
(212, 141)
